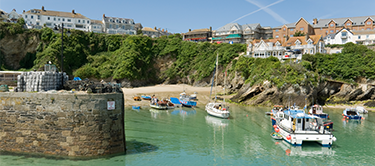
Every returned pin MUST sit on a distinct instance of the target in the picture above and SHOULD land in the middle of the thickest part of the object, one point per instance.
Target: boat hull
(159, 107)
(297, 139)
(217, 113)
(188, 103)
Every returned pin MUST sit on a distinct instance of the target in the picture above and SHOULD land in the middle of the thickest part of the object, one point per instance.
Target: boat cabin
(299, 122)
(316, 109)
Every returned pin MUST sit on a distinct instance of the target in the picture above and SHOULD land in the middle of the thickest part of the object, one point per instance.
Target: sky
(178, 16)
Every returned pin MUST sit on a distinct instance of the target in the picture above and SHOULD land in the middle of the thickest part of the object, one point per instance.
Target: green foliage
(257, 70)
(299, 33)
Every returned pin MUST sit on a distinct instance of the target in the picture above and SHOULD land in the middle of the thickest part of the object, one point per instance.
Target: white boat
(214, 108)
(159, 107)
(361, 110)
(295, 126)
(155, 103)
(218, 110)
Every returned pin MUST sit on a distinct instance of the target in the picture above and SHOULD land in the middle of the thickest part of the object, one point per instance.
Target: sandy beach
(166, 91)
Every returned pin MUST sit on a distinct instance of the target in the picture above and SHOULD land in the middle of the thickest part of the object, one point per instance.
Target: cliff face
(14, 48)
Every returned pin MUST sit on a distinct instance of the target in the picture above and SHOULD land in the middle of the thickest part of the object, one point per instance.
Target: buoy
(274, 126)
(363, 117)
(347, 117)
(247, 115)
(288, 137)
(343, 115)
(277, 130)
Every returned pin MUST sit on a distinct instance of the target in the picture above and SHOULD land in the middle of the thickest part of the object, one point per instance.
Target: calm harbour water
(191, 137)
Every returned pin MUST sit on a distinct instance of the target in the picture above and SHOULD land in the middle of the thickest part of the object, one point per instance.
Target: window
(48, 18)
(48, 24)
(359, 37)
(54, 19)
(58, 19)
(332, 25)
(348, 24)
(79, 21)
(31, 22)
(291, 29)
(25, 16)
(284, 29)
(367, 36)
(63, 19)
(277, 30)
(123, 27)
(110, 25)
(69, 20)
(38, 17)
(331, 31)
(37, 23)
(368, 28)
(110, 20)
(301, 29)
(291, 35)
(343, 34)
(79, 26)
(83, 21)
(116, 26)
(311, 51)
(32, 16)
(276, 36)
(69, 25)
(88, 22)
(369, 22)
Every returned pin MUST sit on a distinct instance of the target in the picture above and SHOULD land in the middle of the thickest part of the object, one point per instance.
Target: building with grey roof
(236, 33)
(115, 25)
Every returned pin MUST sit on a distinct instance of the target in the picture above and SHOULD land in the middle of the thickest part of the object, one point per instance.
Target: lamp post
(62, 60)
(62, 50)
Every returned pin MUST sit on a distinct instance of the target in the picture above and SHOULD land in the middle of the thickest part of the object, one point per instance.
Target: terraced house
(235, 33)
(37, 18)
(198, 35)
(324, 27)
(281, 49)
(115, 25)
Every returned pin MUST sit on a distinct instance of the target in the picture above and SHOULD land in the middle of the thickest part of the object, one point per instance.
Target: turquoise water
(191, 137)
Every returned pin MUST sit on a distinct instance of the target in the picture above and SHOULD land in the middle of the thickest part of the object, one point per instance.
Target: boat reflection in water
(351, 123)
(184, 112)
(216, 122)
(309, 149)
(158, 113)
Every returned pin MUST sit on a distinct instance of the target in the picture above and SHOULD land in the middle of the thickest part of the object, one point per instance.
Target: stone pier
(64, 124)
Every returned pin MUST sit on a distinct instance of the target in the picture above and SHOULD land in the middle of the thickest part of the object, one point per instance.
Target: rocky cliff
(14, 48)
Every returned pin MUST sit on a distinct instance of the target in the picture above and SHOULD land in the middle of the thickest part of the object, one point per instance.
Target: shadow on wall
(135, 147)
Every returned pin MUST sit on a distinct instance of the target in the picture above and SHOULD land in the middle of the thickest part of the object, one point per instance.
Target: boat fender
(288, 137)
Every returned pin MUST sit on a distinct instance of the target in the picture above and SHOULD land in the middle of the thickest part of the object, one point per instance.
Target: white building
(147, 31)
(38, 18)
(341, 37)
(3, 16)
(114, 25)
(364, 37)
(96, 26)
(13, 16)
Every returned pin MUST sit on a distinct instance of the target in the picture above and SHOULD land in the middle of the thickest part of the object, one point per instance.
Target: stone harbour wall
(64, 124)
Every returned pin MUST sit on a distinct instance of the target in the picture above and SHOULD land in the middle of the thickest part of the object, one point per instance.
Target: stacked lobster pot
(40, 81)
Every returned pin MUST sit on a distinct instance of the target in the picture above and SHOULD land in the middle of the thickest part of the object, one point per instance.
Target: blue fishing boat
(317, 110)
(350, 113)
(146, 97)
(136, 107)
(175, 101)
(185, 100)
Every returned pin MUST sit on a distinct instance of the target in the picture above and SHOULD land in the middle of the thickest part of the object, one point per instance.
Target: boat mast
(217, 64)
(225, 80)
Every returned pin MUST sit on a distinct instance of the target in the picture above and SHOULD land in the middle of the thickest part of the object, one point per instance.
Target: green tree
(299, 33)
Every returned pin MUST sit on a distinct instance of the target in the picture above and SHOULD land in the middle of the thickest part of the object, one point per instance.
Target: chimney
(73, 11)
(103, 15)
(162, 30)
(23, 11)
(315, 21)
(189, 30)
(210, 29)
(43, 8)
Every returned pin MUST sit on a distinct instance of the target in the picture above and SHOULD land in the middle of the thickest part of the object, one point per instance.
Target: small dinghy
(136, 107)
(276, 136)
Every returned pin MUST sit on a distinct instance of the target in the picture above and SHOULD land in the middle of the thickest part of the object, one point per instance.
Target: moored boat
(137, 98)
(136, 107)
(361, 110)
(146, 97)
(317, 110)
(218, 110)
(155, 103)
(295, 126)
(276, 136)
(186, 101)
(351, 113)
(274, 111)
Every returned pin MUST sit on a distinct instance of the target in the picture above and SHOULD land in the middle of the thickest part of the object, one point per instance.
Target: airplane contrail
(269, 11)
(261, 8)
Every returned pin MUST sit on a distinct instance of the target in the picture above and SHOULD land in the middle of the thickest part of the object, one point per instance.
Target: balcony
(344, 37)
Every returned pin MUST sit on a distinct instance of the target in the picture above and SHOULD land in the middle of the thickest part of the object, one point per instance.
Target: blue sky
(178, 16)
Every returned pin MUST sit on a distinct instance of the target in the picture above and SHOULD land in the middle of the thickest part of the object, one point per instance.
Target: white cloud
(269, 11)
